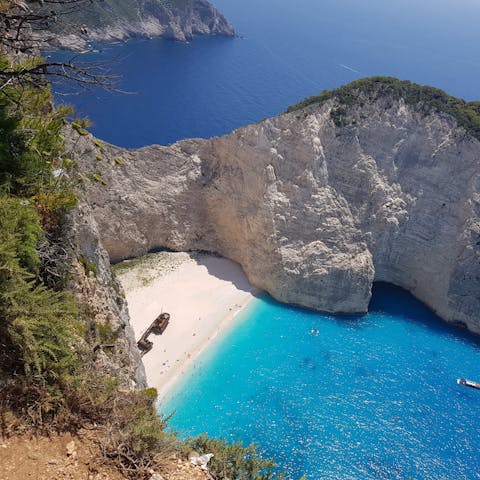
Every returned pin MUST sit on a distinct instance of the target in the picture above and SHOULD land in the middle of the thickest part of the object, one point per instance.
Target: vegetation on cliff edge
(49, 375)
(427, 99)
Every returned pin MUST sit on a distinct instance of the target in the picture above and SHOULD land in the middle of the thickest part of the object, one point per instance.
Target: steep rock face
(99, 293)
(313, 212)
(114, 20)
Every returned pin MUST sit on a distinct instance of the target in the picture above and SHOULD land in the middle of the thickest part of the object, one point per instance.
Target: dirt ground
(67, 457)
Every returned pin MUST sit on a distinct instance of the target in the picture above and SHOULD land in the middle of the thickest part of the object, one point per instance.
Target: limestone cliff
(114, 20)
(315, 204)
(101, 299)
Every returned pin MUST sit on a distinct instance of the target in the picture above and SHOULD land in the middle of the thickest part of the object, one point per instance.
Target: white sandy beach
(202, 293)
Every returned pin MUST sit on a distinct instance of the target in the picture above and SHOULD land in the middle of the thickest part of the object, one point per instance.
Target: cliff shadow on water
(391, 300)
(388, 300)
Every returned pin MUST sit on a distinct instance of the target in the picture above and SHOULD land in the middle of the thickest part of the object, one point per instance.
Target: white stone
(348, 206)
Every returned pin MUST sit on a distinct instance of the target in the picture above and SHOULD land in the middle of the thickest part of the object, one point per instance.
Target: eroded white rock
(312, 212)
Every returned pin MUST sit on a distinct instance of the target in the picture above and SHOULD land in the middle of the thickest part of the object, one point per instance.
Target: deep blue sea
(370, 397)
(288, 50)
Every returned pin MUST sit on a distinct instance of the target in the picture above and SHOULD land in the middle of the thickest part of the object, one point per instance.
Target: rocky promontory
(115, 20)
(377, 181)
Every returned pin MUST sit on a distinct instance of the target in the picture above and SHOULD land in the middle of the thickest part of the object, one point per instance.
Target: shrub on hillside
(233, 461)
(37, 323)
(425, 98)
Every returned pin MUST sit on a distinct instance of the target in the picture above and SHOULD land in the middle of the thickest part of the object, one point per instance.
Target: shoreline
(185, 367)
(204, 295)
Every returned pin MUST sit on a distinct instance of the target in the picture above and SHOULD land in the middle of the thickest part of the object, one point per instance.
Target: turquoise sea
(370, 397)
(367, 397)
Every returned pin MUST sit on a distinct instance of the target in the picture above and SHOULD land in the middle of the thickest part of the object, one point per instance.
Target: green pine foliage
(31, 142)
(31, 148)
(20, 232)
(14, 166)
(425, 98)
(79, 129)
(36, 324)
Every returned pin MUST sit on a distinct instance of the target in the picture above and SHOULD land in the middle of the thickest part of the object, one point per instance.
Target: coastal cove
(203, 295)
(176, 198)
(349, 397)
(247, 250)
(360, 396)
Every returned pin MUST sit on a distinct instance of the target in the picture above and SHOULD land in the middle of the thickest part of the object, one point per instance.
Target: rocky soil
(67, 457)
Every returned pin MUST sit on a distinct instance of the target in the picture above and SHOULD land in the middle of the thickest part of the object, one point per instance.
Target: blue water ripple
(370, 397)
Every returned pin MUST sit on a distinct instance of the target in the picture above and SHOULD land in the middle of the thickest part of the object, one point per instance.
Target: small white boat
(468, 383)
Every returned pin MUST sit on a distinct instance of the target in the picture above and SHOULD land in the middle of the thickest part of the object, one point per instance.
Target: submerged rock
(315, 204)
